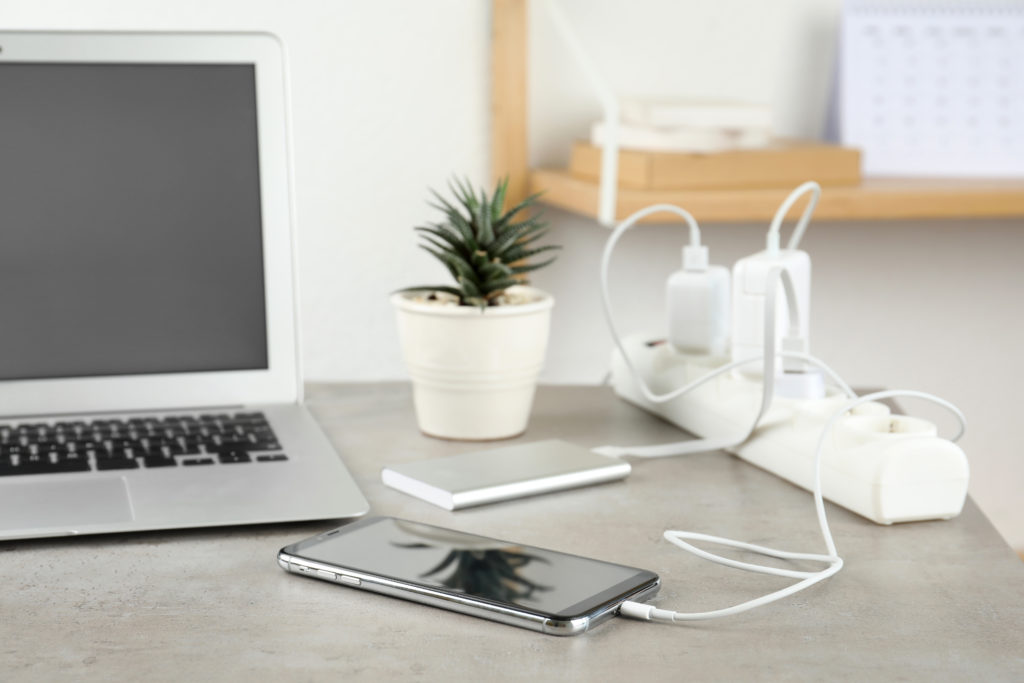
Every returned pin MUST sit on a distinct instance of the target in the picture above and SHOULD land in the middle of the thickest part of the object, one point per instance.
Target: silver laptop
(149, 373)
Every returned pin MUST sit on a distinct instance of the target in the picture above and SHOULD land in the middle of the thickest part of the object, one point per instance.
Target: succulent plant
(483, 246)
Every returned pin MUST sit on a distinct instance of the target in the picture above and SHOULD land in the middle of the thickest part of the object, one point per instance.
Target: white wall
(391, 97)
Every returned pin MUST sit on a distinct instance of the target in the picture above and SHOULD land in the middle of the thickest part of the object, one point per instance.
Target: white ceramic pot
(474, 371)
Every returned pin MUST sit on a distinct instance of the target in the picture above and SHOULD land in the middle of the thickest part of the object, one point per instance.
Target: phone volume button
(350, 580)
(324, 574)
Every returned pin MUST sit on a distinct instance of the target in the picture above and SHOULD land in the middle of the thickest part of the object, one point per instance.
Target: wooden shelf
(874, 199)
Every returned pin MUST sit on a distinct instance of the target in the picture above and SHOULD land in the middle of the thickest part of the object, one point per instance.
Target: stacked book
(673, 145)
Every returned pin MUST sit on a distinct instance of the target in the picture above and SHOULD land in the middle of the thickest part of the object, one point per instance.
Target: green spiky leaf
(484, 231)
(497, 287)
(456, 220)
(449, 238)
(520, 253)
(498, 200)
(519, 233)
(458, 267)
(482, 246)
(496, 271)
(469, 286)
(532, 199)
(518, 270)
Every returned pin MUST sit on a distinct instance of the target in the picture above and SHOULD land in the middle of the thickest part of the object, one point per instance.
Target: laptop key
(28, 464)
(231, 456)
(191, 445)
(159, 461)
(274, 457)
(42, 466)
(35, 459)
(7, 470)
(116, 464)
(55, 456)
(72, 459)
(233, 445)
(74, 465)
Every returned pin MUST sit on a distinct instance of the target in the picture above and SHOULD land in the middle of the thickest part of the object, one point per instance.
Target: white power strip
(888, 468)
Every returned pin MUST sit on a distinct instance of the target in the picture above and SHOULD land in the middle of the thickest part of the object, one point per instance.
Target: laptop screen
(130, 222)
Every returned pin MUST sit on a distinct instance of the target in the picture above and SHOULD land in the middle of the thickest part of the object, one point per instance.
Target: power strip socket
(886, 467)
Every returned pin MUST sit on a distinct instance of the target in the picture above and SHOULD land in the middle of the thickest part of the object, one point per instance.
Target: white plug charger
(696, 290)
(750, 281)
(697, 299)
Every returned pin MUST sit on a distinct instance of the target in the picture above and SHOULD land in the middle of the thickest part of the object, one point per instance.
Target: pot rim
(545, 301)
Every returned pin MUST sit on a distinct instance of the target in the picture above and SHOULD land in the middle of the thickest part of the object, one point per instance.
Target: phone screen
(534, 579)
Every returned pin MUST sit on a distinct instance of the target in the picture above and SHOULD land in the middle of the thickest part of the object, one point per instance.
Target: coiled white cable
(638, 610)
(777, 274)
(680, 538)
(609, 316)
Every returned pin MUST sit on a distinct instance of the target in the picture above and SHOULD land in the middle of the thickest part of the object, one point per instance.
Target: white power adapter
(865, 465)
(750, 284)
(750, 279)
(697, 299)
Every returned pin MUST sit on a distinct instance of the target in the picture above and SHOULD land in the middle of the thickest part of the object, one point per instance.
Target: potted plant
(474, 348)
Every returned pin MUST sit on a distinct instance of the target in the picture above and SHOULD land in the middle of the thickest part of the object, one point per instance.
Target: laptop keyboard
(144, 442)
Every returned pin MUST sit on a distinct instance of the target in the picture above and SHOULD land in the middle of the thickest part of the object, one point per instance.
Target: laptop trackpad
(66, 504)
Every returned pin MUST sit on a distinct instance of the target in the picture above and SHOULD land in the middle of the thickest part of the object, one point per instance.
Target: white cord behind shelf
(608, 189)
(805, 218)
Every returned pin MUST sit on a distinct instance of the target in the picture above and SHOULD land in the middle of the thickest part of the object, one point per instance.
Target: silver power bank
(498, 474)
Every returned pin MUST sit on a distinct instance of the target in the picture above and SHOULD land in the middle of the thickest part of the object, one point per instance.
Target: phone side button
(350, 580)
(324, 574)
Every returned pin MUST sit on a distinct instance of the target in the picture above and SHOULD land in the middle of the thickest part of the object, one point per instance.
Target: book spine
(680, 140)
(682, 114)
(778, 166)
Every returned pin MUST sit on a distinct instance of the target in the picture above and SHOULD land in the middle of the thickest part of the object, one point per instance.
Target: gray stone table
(925, 601)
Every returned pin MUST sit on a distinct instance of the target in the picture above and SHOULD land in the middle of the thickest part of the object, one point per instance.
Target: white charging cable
(814, 188)
(639, 610)
(609, 316)
(776, 277)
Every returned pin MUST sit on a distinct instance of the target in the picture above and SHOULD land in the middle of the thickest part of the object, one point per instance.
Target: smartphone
(538, 589)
